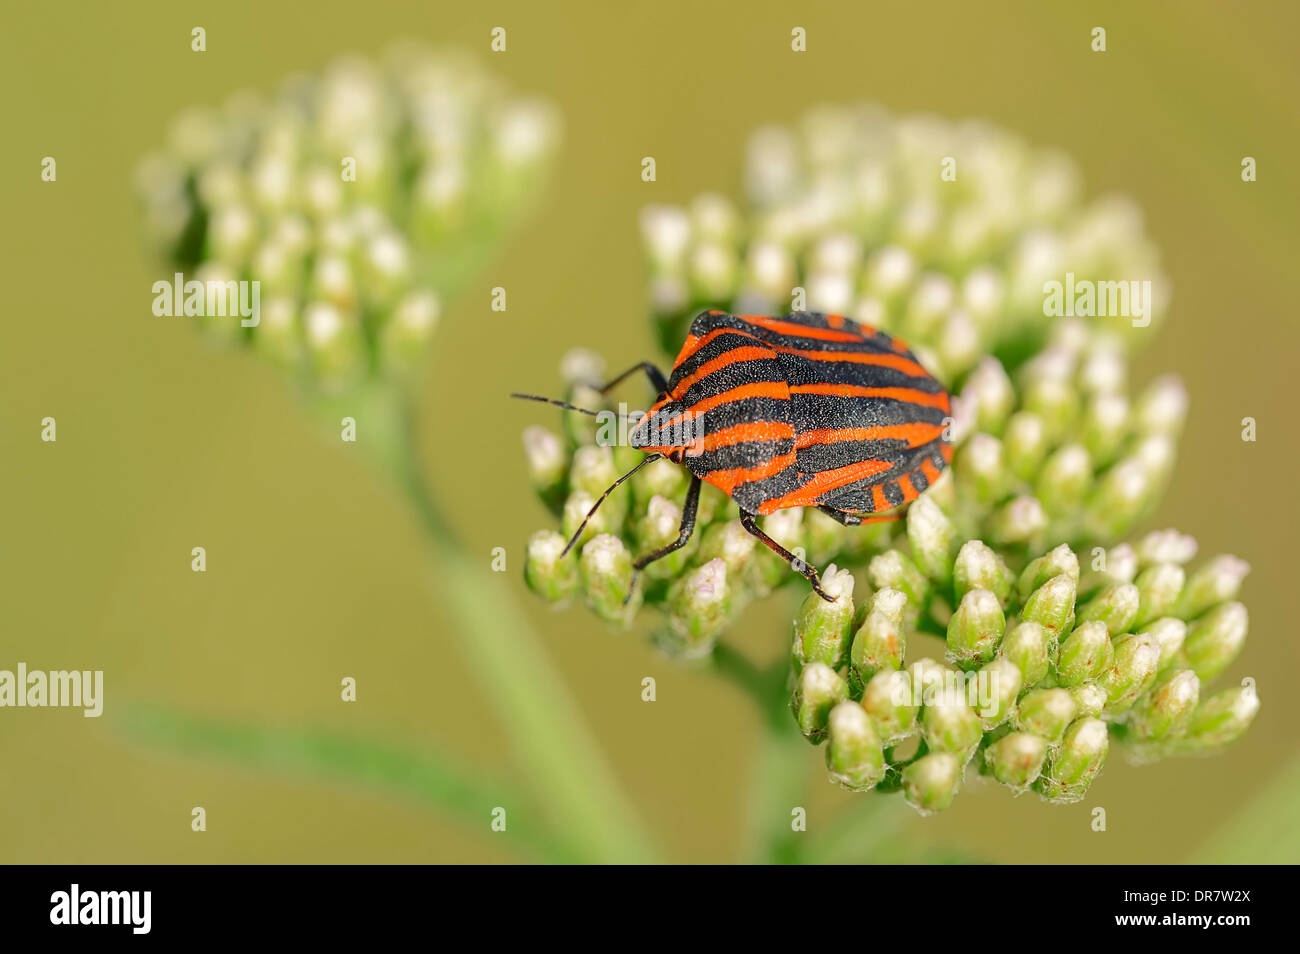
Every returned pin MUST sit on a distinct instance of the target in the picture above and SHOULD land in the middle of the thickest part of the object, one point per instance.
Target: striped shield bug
(807, 410)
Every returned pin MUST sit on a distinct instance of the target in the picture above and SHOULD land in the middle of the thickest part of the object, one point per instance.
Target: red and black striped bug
(808, 410)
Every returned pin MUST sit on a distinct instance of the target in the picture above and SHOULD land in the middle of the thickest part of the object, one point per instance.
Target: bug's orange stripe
(931, 472)
(694, 344)
(911, 395)
(836, 321)
(878, 501)
(820, 483)
(743, 433)
(908, 488)
(895, 361)
(734, 356)
(915, 433)
(797, 330)
(768, 389)
(946, 451)
(729, 480)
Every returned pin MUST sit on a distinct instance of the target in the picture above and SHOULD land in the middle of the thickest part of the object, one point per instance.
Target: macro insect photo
(589, 436)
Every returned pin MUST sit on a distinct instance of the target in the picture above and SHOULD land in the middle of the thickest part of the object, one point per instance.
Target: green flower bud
(993, 394)
(1217, 581)
(547, 463)
(1016, 759)
(661, 478)
(979, 567)
(576, 508)
(606, 568)
(335, 343)
(1018, 521)
(825, 536)
(1028, 647)
(975, 629)
(1159, 587)
(887, 698)
(1085, 654)
(1104, 426)
(880, 642)
(1137, 659)
(1214, 640)
(1167, 707)
(1162, 407)
(1064, 479)
(786, 528)
(1046, 712)
(1116, 606)
(931, 676)
(854, 757)
(950, 725)
(547, 574)
(1223, 718)
(1051, 605)
(931, 782)
(998, 684)
(699, 606)
(659, 527)
(980, 469)
(892, 570)
(933, 539)
(409, 329)
(819, 690)
(822, 629)
(1058, 562)
(1119, 564)
(1165, 546)
(592, 472)
(1071, 767)
(731, 543)
(1089, 700)
(1025, 444)
(1170, 634)
(1055, 403)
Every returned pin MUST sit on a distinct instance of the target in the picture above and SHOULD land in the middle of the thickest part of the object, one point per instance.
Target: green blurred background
(314, 564)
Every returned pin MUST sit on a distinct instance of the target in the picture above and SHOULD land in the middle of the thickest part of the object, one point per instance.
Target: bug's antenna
(571, 407)
(545, 400)
(596, 506)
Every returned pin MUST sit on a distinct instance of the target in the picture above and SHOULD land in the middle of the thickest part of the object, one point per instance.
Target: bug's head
(666, 428)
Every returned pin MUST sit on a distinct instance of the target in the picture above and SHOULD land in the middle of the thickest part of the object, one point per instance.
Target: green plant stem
(570, 777)
(430, 779)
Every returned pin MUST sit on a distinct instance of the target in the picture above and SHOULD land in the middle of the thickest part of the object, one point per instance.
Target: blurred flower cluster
(361, 199)
(941, 233)
(1056, 461)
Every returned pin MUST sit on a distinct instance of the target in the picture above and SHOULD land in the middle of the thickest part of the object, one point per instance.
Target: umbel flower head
(1056, 638)
(360, 200)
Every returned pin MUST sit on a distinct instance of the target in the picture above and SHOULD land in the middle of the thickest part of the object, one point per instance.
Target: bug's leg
(596, 506)
(689, 509)
(857, 519)
(654, 374)
(796, 564)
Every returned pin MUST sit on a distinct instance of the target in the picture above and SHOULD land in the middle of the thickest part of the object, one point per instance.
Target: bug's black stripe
(750, 496)
(818, 457)
(823, 411)
(736, 456)
(731, 376)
